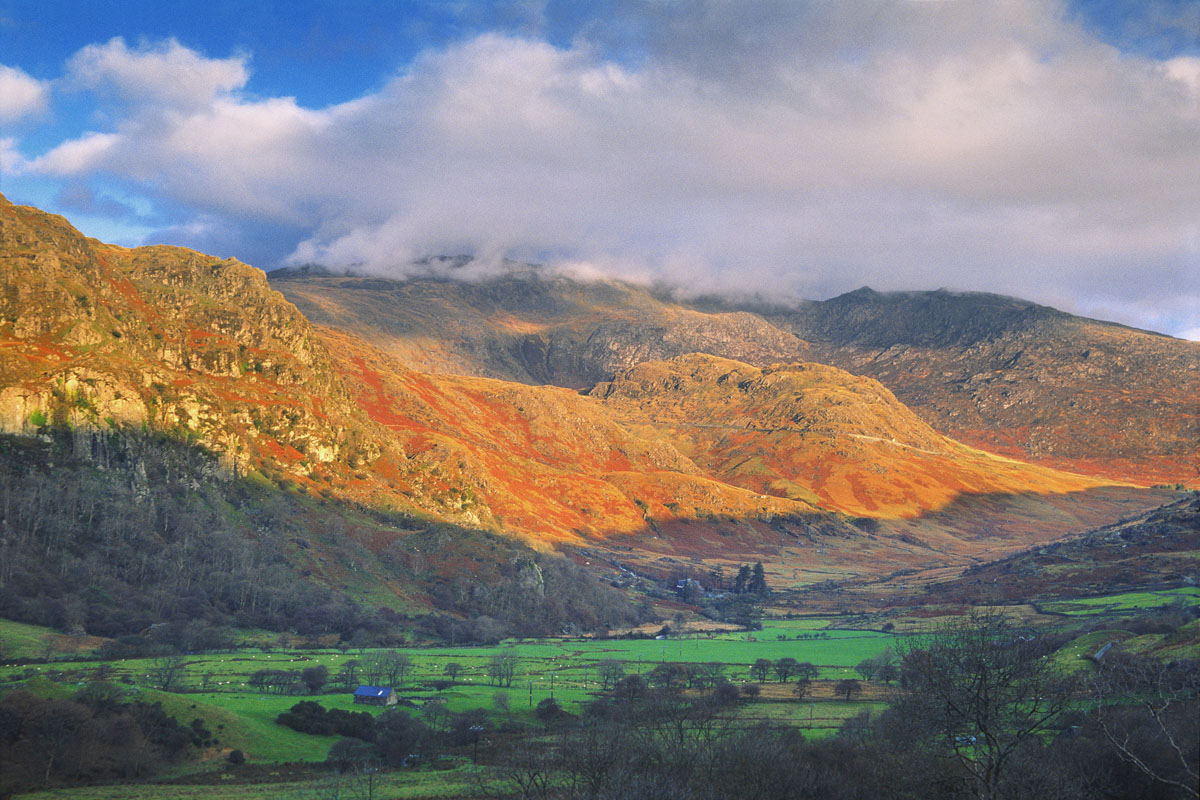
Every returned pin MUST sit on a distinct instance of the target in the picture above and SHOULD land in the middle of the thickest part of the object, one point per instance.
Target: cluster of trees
(111, 534)
(311, 717)
(981, 713)
(144, 534)
(751, 581)
(502, 668)
(400, 738)
(310, 680)
(883, 667)
(783, 669)
(95, 735)
(507, 589)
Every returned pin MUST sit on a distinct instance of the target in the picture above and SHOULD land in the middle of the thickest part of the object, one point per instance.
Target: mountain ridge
(1002, 374)
(99, 341)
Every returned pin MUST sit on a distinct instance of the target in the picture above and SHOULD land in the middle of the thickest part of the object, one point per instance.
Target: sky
(1047, 149)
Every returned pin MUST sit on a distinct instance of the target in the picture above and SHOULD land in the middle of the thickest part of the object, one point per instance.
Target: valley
(242, 475)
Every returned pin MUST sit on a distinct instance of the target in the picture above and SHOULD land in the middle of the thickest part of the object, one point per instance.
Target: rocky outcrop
(528, 327)
(108, 338)
(1002, 374)
(1021, 379)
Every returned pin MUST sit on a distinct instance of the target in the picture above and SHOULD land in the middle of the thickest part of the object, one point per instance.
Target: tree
(758, 581)
(610, 671)
(452, 669)
(398, 736)
(345, 754)
(760, 668)
(348, 674)
(742, 580)
(315, 678)
(802, 687)
(548, 711)
(1148, 712)
(980, 690)
(888, 673)
(394, 667)
(168, 673)
(847, 686)
(668, 676)
(785, 668)
(501, 669)
(806, 671)
(867, 668)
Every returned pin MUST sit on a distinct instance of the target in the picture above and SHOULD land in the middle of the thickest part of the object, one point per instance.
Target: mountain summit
(998, 373)
(701, 433)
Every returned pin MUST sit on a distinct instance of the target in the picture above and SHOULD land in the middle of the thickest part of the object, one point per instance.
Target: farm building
(376, 696)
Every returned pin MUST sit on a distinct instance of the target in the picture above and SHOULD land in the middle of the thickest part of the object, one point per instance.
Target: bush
(311, 717)
(237, 757)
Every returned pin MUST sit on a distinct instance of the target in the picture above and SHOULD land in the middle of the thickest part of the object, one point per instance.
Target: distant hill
(402, 439)
(1021, 379)
(1153, 549)
(998, 373)
(529, 327)
(815, 433)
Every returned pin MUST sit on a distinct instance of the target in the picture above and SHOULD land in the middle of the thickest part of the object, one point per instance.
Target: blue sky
(1030, 147)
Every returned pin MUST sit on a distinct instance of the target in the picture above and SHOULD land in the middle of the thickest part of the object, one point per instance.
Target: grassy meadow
(217, 690)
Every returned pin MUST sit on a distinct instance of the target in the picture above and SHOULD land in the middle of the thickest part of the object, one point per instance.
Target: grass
(21, 640)
(1126, 602)
(569, 664)
(565, 669)
(463, 780)
(246, 722)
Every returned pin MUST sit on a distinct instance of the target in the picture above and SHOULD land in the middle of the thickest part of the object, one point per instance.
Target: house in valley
(376, 696)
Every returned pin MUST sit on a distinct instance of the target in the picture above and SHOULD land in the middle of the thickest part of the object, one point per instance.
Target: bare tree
(984, 689)
(501, 669)
(611, 671)
(785, 668)
(168, 673)
(1147, 710)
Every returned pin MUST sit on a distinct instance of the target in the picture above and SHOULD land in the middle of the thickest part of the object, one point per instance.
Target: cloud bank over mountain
(797, 148)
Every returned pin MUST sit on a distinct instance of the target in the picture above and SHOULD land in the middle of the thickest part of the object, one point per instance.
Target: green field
(566, 669)
(1128, 602)
(569, 664)
(217, 689)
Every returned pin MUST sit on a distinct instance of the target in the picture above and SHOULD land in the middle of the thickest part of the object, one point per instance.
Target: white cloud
(168, 74)
(77, 156)
(1186, 70)
(10, 158)
(20, 94)
(791, 147)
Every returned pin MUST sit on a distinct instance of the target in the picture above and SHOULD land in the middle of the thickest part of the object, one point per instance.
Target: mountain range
(624, 425)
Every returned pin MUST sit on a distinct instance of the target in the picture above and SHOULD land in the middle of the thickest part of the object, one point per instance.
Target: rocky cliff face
(101, 338)
(529, 328)
(1021, 379)
(999, 373)
(817, 433)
